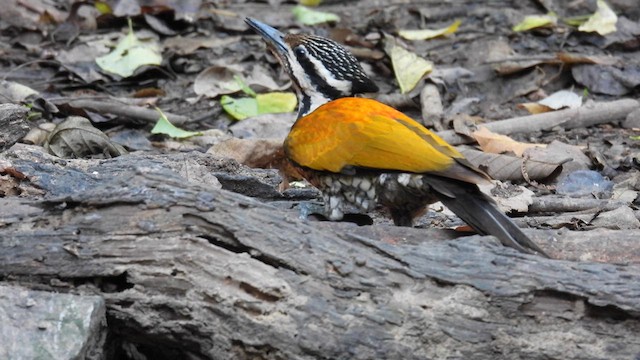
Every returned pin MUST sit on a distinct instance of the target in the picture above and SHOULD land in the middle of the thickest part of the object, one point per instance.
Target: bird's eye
(300, 51)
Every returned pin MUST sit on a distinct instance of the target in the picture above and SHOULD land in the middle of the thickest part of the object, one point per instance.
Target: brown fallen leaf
(499, 144)
(573, 58)
(534, 108)
(514, 65)
(257, 153)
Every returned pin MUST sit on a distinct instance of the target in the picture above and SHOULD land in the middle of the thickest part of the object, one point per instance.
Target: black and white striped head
(321, 69)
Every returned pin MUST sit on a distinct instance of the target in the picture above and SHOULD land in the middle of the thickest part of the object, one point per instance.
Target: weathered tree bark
(191, 271)
(13, 122)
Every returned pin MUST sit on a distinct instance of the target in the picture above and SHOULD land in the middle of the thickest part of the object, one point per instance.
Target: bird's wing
(356, 132)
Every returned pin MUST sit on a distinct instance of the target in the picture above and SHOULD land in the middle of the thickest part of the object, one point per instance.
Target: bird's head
(321, 69)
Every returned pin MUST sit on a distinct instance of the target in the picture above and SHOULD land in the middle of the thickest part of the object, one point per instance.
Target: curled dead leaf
(77, 138)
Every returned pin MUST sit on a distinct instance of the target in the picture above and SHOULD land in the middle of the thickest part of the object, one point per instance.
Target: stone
(47, 325)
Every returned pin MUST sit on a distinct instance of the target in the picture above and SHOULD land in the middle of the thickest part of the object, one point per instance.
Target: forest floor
(564, 99)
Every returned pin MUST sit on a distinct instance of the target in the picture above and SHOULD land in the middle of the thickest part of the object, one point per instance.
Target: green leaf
(239, 109)
(243, 86)
(313, 17)
(576, 20)
(271, 103)
(428, 33)
(603, 21)
(634, 137)
(536, 21)
(103, 7)
(130, 54)
(276, 102)
(164, 126)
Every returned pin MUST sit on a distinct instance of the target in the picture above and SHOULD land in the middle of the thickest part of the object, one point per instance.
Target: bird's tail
(480, 212)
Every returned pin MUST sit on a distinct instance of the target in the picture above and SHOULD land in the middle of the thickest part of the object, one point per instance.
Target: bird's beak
(273, 37)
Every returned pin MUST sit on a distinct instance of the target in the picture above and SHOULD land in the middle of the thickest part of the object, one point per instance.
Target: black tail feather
(480, 212)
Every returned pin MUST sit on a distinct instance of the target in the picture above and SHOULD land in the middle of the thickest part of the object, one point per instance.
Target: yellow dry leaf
(603, 21)
(536, 21)
(428, 33)
(498, 144)
(534, 108)
(408, 67)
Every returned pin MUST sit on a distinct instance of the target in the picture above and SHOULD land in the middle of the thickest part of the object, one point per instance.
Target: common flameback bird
(361, 152)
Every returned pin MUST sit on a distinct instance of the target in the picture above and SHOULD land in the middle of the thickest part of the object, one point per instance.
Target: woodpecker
(360, 152)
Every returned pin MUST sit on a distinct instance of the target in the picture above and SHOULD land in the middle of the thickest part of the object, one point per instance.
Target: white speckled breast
(340, 190)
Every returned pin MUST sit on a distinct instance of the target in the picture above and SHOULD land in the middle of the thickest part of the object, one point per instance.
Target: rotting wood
(13, 122)
(190, 271)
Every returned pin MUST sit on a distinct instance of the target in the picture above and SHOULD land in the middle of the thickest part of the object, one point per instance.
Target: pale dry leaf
(15, 92)
(130, 54)
(562, 99)
(603, 21)
(426, 34)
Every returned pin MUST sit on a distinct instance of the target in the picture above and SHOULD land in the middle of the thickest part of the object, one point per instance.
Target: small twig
(525, 175)
(555, 204)
(551, 58)
(587, 115)
(123, 109)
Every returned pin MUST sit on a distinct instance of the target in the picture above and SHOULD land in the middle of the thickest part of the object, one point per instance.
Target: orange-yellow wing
(366, 133)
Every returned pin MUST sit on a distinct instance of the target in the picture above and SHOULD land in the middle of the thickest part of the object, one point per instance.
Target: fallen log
(192, 271)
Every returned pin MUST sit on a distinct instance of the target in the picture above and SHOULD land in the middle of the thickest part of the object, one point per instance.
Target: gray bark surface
(192, 271)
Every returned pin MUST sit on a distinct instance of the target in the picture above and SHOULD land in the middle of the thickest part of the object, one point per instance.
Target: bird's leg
(404, 196)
